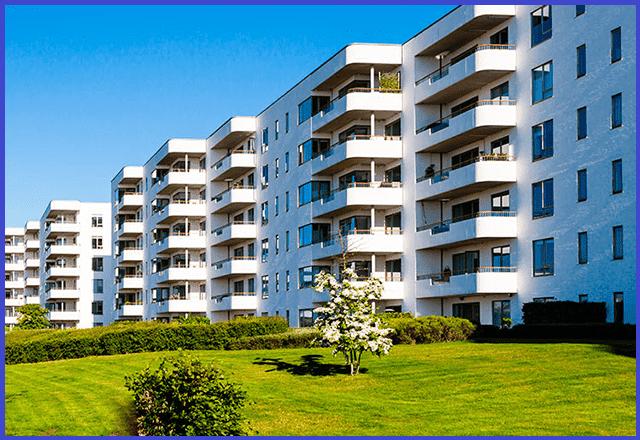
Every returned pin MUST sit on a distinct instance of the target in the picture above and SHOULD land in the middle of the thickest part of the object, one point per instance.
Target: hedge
(135, 338)
(429, 329)
(564, 312)
(607, 331)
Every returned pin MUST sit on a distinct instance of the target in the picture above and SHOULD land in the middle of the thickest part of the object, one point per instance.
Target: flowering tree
(346, 321)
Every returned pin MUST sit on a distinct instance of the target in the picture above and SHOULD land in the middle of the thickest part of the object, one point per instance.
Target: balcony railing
(329, 106)
(128, 193)
(355, 137)
(219, 264)
(218, 164)
(335, 238)
(221, 229)
(443, 71)
(443, 277)
(443, 123)
(328, 196)
(443, 174)
(219, 298)
(443, 226)
(218, 196)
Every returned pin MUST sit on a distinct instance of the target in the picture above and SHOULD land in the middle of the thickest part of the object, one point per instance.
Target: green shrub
(185, 397)
(564, 312)
(429, 329)
(295, 338)
(192, 320)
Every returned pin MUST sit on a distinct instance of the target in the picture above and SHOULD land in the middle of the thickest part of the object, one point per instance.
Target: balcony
(32, 244)
(70, 315)
(56, 229)
(233, 199)
(358, 196)
(61, 294)
(127, 311)
(379, 240)
(14, 248)
(196, 272)
(179, 209)
(392, 289)
(482, 280)
(233, 165)
(130, 229)
(130, 255)
(130, 282)
(486, 64)
(358, 150)
(14, 284)
(129, 202)
(467, 125)
(168, 306)
(235, 301)
(32, 299)
(14, 302)
(14, 267)
(357, 103)
(31, 263)
(61, 249)
(232, 132)
(178, 178)
(475, 175)
(234, 232)
(32, 282)
(180, 240)
(463, 230)
(64, 272)
(234, 266)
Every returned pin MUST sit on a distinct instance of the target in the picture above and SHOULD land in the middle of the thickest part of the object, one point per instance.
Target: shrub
(185, 397)
(295, 338)
(192, 320)
(564, 312)
(429, 329)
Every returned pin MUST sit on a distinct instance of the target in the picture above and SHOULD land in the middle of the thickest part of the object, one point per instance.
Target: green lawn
(460, 388)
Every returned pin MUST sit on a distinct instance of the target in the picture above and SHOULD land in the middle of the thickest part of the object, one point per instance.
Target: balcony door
(464, 211)
(470, 311)
(467, 262)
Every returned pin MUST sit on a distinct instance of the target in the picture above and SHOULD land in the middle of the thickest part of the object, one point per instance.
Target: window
(277, 244)
(501, 257)
(616, 176)
(501, 312)
(618, 307)
(580, 10)
(618, 248)
(250, 215)
(306, 318)
(277, 165)
(583, 298)
(265, 139)
(583, 250)
(286, 241)
(238, 286)
(543, 257)
(98, 286)
(286, 161)
(540, 25)
(616, 45)
(500, 202)
(265, 176)
(286, 201)
(312, 191)
(312, 149)
(251, 285)
(96, 307)
(311, 106)
(544, 299)
(265, 250)
(265, 286)
(277, 206)
(500, 146)
(96, 221)
(500, 92)
(286, 122)
(542, 138)
(582, 185)
(543, 199)
(97, 264)
(393, 129)
(287, 280)
(467, 262)
(616, 110)
(501, 37)
(313, 233)
(96, 242)
(542, 82)
(277, 282)
(277, 129)
(470, 311)
(264, 213)
(307, 275)
(393, 270)
(581, 61)
(582, 123)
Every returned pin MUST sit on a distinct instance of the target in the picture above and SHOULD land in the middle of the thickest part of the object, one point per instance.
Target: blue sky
(90, 89)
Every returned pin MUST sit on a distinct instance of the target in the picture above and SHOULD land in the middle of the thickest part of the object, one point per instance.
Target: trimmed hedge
(429, 329)
(564, 312)
(607, 331)
(294, 338)
(136, 338)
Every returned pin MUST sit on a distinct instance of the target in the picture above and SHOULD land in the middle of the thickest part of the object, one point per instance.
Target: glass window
(542, 82)
(616, 176)
(98, 286)
(313, 233)
(543, 199)
(286, 201)
(277, 206)
(312, 191)
(500, 38)
(582, 123)
(501, 312)
(97, 264)
(311, 106)
(540, 25)
(543, 257)
(96, 221)
(500, 202)
(286, 122)
(470, 311)
(582, 185)
(96, 242)
(467, 262)
(312, 149)
(286, 241)
(277, 166)
(265, 286)
(287, 280)
(500, 92)
(616, 45)
(265, 213)
(583, 250)
(581, 61)
(265, 176)
(618, 307)
(277, 244)
(580, 10)
(618, 247)
(265, 139)
(500, 146)
(307, 275)
(501, 257)
(277, 129)
(96, 308)
(265, 250)
(277, 282)
(251, 285)
(616, 110)
(306, 318)
(286, 161)
(542, 137)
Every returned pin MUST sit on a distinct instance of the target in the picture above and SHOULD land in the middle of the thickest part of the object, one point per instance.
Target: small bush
(185, 397)
(564, 312)
(429, 329)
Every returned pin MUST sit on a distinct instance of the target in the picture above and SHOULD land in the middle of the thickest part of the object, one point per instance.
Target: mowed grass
(460, 388)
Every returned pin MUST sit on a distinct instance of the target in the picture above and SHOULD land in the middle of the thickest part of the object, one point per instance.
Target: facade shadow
(310, 365)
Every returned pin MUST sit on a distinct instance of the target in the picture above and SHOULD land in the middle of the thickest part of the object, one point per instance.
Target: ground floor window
(470, 311)
(618, 307)
(501, 312)
(306, 318)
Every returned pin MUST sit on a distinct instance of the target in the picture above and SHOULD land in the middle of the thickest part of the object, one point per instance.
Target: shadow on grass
(309, 365)
(127, 425)
(619, 347)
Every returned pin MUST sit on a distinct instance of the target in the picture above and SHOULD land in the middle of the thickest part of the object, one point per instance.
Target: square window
(582, 123)
(616, 45)
(616, 176)
(616, 110)
(543, 257)
(540, 25)
(581, 61)
(96, 221)
(542, 139)
(582, 185)
(618, 248)
(543, 199)
(583, 255)
(542, 82)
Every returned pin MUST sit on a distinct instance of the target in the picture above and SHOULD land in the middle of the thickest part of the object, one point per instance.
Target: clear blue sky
(90, 89)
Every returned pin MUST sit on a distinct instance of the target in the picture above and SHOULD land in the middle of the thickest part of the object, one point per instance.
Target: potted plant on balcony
(506, 322)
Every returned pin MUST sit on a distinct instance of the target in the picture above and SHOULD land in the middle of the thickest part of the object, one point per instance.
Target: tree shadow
(309, 365)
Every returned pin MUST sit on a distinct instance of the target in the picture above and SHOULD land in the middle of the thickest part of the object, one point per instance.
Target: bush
(429, 329)
(572, 332)
(295, 338)
(564, 312)
(185, 397)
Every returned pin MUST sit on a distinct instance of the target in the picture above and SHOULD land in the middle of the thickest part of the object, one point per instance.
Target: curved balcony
(233, 132)
(234, 232)
(463, 230)
(31, 263)
(130, 229)
(357, 103)
(235, 301)
(378, 240)
(392, 289)
(233, 165)
(14, 302)
(355, 150)
(233, 199)
(486, 64)
(69, 315)
(14, 249)
(358, 196)
(475, 175)
(167, 306)
(64, 249)
(57, 229)
(14, 267)
(234, 266)
(61, 294)
(62, 272)
(32, 282)
(130, 311)
(195, 272)
(130, 255)
(180, 240)
(178, 178)
(130, 282)
(481, 280)
(32, 244)
(14, 284)
(129, 202)
(179, 209)
(467, 125)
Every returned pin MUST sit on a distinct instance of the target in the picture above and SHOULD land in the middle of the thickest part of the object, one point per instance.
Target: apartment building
(75, 261)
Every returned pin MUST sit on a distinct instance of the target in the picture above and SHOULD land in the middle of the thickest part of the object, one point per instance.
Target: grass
(460, 388)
